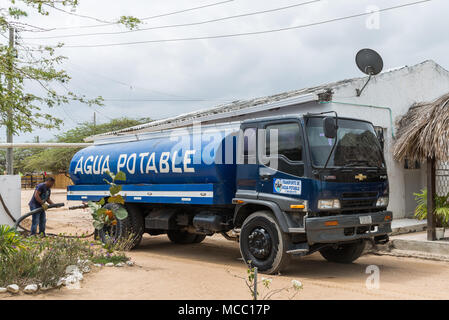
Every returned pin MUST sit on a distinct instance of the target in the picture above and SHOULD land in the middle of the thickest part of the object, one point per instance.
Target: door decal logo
(287, 186)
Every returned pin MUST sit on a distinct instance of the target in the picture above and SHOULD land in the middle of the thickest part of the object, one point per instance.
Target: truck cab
(315, 190)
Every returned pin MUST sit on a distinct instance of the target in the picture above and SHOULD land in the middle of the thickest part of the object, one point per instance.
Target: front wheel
(345, 253)
(263, 244)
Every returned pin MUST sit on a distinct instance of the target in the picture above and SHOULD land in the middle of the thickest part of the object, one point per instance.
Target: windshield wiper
(357, 163)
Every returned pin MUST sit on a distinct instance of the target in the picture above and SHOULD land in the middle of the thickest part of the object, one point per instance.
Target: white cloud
(233, 68)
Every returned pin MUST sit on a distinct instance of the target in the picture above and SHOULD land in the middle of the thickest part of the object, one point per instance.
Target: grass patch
(114, 258)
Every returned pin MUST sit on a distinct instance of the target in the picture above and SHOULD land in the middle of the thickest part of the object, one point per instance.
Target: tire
(345, 253)
(200, 238)
(132, 225)
(136, 222)
(267, 252)
(184, 237)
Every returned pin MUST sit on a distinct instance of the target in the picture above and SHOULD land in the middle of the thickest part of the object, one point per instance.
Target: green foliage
(108, 217)
(106, 258)
(130, 22)
(112, 244)
(441, 208)
(22, 107)
(43, 260)
(58, 160)
(421, 205)
(120, 176)
(10, 241)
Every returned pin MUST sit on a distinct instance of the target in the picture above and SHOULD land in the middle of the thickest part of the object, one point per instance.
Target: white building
(386, 98)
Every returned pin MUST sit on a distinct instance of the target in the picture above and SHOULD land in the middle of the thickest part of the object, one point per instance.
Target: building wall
(10, 191)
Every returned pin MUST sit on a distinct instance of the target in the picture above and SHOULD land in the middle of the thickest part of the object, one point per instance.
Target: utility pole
(95, 122)
(9, 139)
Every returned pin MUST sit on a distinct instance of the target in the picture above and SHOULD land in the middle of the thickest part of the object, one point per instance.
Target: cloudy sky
(160, 79)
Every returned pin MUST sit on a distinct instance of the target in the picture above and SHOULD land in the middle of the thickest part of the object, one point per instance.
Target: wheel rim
(260, 243)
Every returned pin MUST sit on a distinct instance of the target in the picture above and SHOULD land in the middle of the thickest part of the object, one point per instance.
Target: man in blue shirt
(40, 197)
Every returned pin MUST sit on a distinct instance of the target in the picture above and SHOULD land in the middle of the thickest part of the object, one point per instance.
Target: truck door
(247, 168)
(281, 170)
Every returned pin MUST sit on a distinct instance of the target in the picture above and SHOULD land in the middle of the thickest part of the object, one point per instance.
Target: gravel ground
(212, 270)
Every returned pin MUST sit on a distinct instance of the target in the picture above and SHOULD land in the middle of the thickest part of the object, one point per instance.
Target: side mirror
(330, 127)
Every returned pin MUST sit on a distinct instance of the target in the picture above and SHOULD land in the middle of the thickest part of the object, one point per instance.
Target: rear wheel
(130, 229)
(184, 237)
(345, 253)
(263, 244)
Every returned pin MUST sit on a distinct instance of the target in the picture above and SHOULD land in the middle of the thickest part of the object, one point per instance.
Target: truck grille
(358, 200)
(359, 195)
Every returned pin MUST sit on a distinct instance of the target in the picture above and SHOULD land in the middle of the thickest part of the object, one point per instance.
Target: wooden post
(431, 191)
(256, 271)
(10, 112)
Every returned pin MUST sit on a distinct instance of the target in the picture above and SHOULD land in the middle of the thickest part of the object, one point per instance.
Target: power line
(79, 68)
(179, 98)
(246, 33)
(141, 19)
(168, 100)
(179, 25)
(96, 108)
(77, 14)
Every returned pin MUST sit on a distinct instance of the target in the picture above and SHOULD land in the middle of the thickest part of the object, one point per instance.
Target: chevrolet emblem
(361, 177)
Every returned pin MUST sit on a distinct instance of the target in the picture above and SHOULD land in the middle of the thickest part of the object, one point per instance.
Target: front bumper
(349, 227)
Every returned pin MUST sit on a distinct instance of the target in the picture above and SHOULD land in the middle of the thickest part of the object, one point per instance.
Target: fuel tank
(169, 157)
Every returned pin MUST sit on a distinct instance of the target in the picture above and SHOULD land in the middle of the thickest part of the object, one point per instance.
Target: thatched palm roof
(424, 132)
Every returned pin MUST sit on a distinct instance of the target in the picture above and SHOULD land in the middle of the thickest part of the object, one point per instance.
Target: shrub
(42, 260)
(36, 260)
(112, 244)
(20, 267)
(10, 240)
(103, 217)
(441, 208)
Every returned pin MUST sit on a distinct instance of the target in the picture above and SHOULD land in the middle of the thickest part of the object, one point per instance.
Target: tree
(19, 159)
(21, 108)
(58, 160)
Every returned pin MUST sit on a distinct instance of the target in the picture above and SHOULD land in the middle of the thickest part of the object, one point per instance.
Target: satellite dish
(370, 63)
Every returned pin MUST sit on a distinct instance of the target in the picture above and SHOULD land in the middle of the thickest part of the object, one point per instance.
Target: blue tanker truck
(280, 186)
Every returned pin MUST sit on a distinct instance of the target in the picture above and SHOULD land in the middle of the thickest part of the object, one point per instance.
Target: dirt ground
(212, 270)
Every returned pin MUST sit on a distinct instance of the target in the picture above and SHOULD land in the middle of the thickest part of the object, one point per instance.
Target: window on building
(411, 164)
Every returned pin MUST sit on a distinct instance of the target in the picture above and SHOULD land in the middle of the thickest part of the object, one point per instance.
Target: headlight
(329, 204)
(382, 202)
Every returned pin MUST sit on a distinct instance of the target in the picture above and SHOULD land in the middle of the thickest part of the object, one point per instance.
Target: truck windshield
(357, 144)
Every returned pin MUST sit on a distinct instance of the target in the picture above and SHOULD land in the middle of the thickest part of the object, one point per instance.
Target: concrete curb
(404, 229)
(429, 250)
(411, 254)
(430, 247)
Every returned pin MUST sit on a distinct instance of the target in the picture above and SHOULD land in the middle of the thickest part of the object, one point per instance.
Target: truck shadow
(226, 253)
